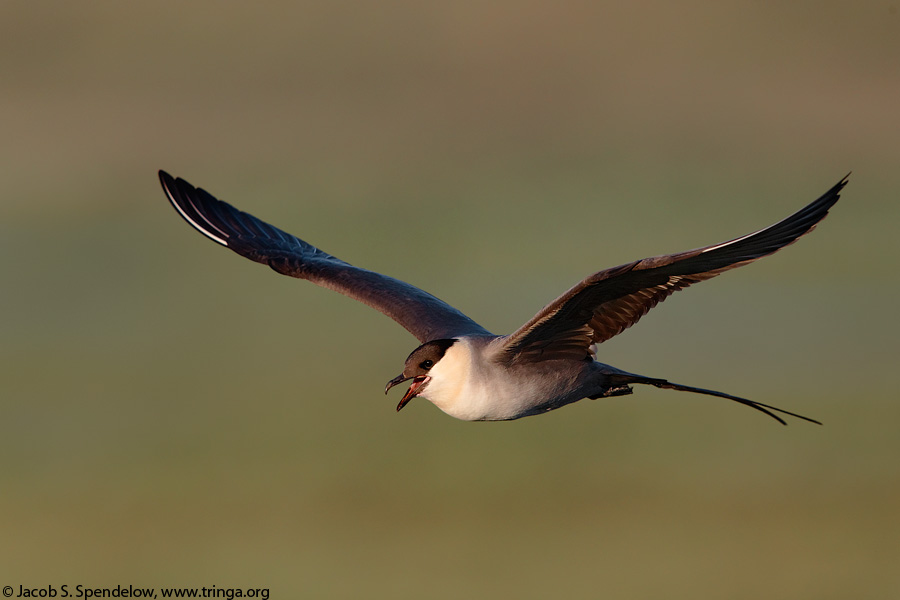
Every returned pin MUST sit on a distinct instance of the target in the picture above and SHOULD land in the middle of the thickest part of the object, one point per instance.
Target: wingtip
(169, 183)
(823, 203)
(840, 184)
(179, 193)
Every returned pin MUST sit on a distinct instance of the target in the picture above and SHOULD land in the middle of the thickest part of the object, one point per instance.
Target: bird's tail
(622, 379)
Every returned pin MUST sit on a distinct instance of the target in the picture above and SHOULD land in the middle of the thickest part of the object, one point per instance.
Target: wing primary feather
(614, 299)
(422, 314)
(187, 209)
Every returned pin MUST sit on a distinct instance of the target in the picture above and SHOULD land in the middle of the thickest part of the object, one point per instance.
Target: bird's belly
(501, 399)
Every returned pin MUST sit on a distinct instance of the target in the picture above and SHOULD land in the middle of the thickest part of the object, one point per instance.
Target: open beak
(413, 390)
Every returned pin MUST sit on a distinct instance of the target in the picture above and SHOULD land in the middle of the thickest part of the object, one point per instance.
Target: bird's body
(468, 385)
(472, 374)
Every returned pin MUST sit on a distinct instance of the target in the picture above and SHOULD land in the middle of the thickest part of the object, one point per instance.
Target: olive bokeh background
(174, 415)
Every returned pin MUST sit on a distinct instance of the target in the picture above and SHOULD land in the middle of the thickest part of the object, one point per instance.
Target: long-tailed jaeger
(549, 362)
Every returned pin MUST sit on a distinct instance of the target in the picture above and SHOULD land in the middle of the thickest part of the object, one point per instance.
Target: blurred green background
(174, 415)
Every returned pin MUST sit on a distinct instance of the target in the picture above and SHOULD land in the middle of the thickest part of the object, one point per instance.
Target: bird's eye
(426, 364)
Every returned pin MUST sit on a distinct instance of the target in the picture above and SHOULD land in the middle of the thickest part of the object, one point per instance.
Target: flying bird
(547, 363)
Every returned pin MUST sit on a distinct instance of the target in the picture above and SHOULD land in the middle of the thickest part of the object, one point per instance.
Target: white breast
(465, 386)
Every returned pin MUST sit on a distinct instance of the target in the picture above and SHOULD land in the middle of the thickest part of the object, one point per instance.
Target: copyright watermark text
(130, 591)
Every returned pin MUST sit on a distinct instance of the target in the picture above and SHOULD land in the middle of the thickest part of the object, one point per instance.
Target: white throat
(467, 385)
(448, 379)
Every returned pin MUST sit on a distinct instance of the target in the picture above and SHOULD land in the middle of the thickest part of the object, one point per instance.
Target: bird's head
(418, 365)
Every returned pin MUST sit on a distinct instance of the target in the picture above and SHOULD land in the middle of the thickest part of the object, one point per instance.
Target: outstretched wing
(610, 301)
(423, 315)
